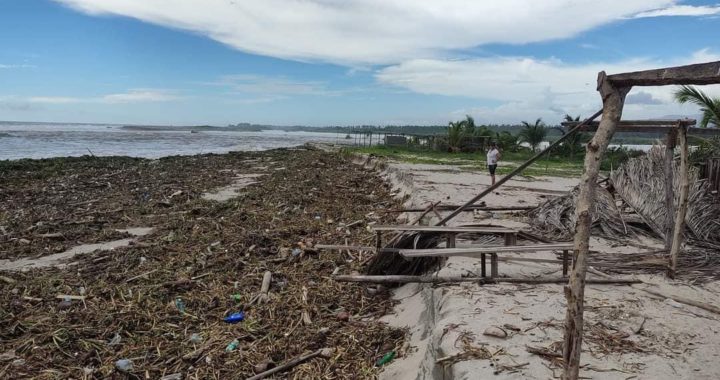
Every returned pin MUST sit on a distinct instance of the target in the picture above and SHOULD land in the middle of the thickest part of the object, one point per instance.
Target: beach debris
(174, 376)
(323, 352)
(180, 305)
(387, 358)
(144, 308)
(232, 345)
(195, 338)
(235, 317)
(124, 365)
(343, 316)
(116, 339)
(496, 332)
(264, 365)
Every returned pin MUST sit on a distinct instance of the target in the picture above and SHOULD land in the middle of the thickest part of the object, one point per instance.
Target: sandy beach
(630, 334)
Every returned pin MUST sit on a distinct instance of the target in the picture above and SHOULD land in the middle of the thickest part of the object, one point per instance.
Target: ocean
(45, 140)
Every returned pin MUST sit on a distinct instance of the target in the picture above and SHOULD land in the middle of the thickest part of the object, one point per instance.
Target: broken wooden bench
(493, 252)
(451, 232)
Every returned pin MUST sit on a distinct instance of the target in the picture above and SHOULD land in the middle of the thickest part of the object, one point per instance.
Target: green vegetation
(710, 107)
(533, 134)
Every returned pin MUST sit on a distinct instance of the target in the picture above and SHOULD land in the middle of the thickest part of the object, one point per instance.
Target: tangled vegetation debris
(158, 306)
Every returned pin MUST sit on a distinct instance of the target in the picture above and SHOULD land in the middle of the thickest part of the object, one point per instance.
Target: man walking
(493, 155)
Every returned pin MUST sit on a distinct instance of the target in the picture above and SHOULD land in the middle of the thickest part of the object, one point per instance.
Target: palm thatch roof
(632, 203)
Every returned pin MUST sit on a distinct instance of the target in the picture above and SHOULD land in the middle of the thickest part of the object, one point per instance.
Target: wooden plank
(344, 247)
(643, 129)
(444, 252)
(701, 73)
(499, 230)
(469, 208)
(399, 279)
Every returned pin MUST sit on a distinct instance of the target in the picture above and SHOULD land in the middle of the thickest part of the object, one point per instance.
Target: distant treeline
(553, 133)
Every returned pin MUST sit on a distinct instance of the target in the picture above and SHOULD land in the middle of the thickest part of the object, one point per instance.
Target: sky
(340, 62)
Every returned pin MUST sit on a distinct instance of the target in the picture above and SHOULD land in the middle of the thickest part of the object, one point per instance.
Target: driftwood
(613, 100)
(682, 203)
(687, 301)
(399, 279)
(324, 352)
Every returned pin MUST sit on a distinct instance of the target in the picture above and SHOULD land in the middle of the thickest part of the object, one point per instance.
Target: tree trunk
(682, 202)
(613, 99)
(669, 188)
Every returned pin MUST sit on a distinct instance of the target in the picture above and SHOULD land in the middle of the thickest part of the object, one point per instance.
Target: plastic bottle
(124, 365)
(235, 317)
(232, 345)
(386, 359)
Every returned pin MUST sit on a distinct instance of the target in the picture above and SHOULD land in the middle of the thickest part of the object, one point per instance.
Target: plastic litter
(180, 304)
(124, 365)
(237, 297)
(296, 251)
(386, 359)
(196, 338)
(235, 317)
(232, 345)
(115, 340)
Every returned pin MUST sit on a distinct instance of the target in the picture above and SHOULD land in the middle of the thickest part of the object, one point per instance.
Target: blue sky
(328, 62)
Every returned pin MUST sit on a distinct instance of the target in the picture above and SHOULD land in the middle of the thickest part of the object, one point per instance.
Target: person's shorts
(492, 168)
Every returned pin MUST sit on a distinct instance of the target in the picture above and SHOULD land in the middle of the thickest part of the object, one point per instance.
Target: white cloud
(681, 10)
(20, 66)
(277, 86)
(140, 96)
(131, 96)
(372, 31)
(524, 86)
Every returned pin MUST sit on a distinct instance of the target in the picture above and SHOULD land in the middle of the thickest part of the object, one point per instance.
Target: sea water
(45, 140)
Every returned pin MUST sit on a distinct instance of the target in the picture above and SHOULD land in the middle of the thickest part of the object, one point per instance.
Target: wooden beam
(489, 230)
(613, 98)
(480, 280)
(701, 74)
(469, 208)
(651, 123)
(446, 252)
(669, 188)
(659, 130)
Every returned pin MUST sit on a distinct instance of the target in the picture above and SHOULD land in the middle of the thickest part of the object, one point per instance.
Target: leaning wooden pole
(677, 235)
(518, 170)
(669, 188)
(613, 100)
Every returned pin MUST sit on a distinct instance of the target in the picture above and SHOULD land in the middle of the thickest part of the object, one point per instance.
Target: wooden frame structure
(613, 89)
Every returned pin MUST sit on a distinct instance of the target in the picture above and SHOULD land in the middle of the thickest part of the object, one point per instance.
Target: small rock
(24, 241)
(496, 332)
(343, 316)
(64, 305)
(264, 365)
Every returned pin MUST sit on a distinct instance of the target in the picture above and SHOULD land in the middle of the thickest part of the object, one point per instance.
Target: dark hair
(493, 143)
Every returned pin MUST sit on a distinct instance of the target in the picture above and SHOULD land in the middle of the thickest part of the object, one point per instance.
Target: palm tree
(469, 125)
(710, 107)
(573, 143)
(533, 134)
(456, 132)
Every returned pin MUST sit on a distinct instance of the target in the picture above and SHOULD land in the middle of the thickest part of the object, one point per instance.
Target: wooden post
(451, 240)
(482, 265)
(613, 100)
(565, 262)
(669, 190)
(677, 235)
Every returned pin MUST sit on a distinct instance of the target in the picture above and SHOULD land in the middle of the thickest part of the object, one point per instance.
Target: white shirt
(492, 156)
